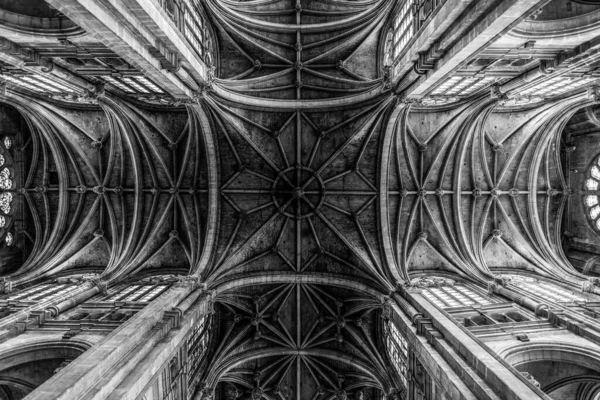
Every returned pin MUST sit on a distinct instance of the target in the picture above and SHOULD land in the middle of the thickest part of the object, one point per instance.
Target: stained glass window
(5, 181)
(9, 239)
(8, 142)
(591, 199)
(5, 200)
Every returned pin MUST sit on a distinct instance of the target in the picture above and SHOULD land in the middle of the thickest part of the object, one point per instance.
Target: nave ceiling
(299, 183)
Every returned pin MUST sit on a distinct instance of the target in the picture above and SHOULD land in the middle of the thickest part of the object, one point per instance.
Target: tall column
(75, 380)
(479, 368)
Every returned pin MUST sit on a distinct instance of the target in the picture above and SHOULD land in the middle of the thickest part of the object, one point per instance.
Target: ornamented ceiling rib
(300, 341)
(470, 192)
(128, 192)
(299, 192)
(299, 50)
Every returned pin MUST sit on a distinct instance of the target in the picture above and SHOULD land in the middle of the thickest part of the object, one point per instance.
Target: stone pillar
(478, 367)
(163, 348)
(106, 359)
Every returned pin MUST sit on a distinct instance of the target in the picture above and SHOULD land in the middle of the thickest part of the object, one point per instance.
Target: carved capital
(594, 94)
(496, 93)
(96, 280)
(589, 285)
(6, 286)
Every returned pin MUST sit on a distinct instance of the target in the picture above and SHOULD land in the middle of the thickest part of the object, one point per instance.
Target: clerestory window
(546, 290)
(397, 348)
(400, 33)
(446, 293)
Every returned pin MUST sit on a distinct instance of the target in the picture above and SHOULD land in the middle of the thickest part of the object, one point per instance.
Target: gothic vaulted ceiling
(300, 186)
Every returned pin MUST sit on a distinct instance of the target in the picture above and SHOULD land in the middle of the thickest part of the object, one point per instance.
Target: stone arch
(558, 366)
(35, 17)
(25, 367)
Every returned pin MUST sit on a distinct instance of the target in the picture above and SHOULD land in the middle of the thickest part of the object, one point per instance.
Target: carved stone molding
(6, 285)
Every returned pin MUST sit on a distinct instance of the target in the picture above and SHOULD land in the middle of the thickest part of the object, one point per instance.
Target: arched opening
(35, 16)
(24, 368)
(559, 369)
(581, 166)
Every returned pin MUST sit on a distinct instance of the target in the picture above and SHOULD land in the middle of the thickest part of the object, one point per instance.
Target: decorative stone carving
(6, 285)
(62, 366)
(513, 192)
(96, 280)
(589, 285)
(531, 379)
(547, 66)
(496, 93)
(594, 94)
(427, 282)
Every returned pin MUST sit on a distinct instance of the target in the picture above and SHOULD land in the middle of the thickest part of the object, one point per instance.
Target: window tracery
(446, 293)
(546, 290)
(142, 292)
(9, 239)
(5, 181)
(41, 292)
(5, 201)
(401, 31)
(197, 346)
(397, 350)
(591, 199)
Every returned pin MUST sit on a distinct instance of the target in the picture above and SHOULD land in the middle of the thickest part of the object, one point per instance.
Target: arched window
(591, 197)
(7, 185)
